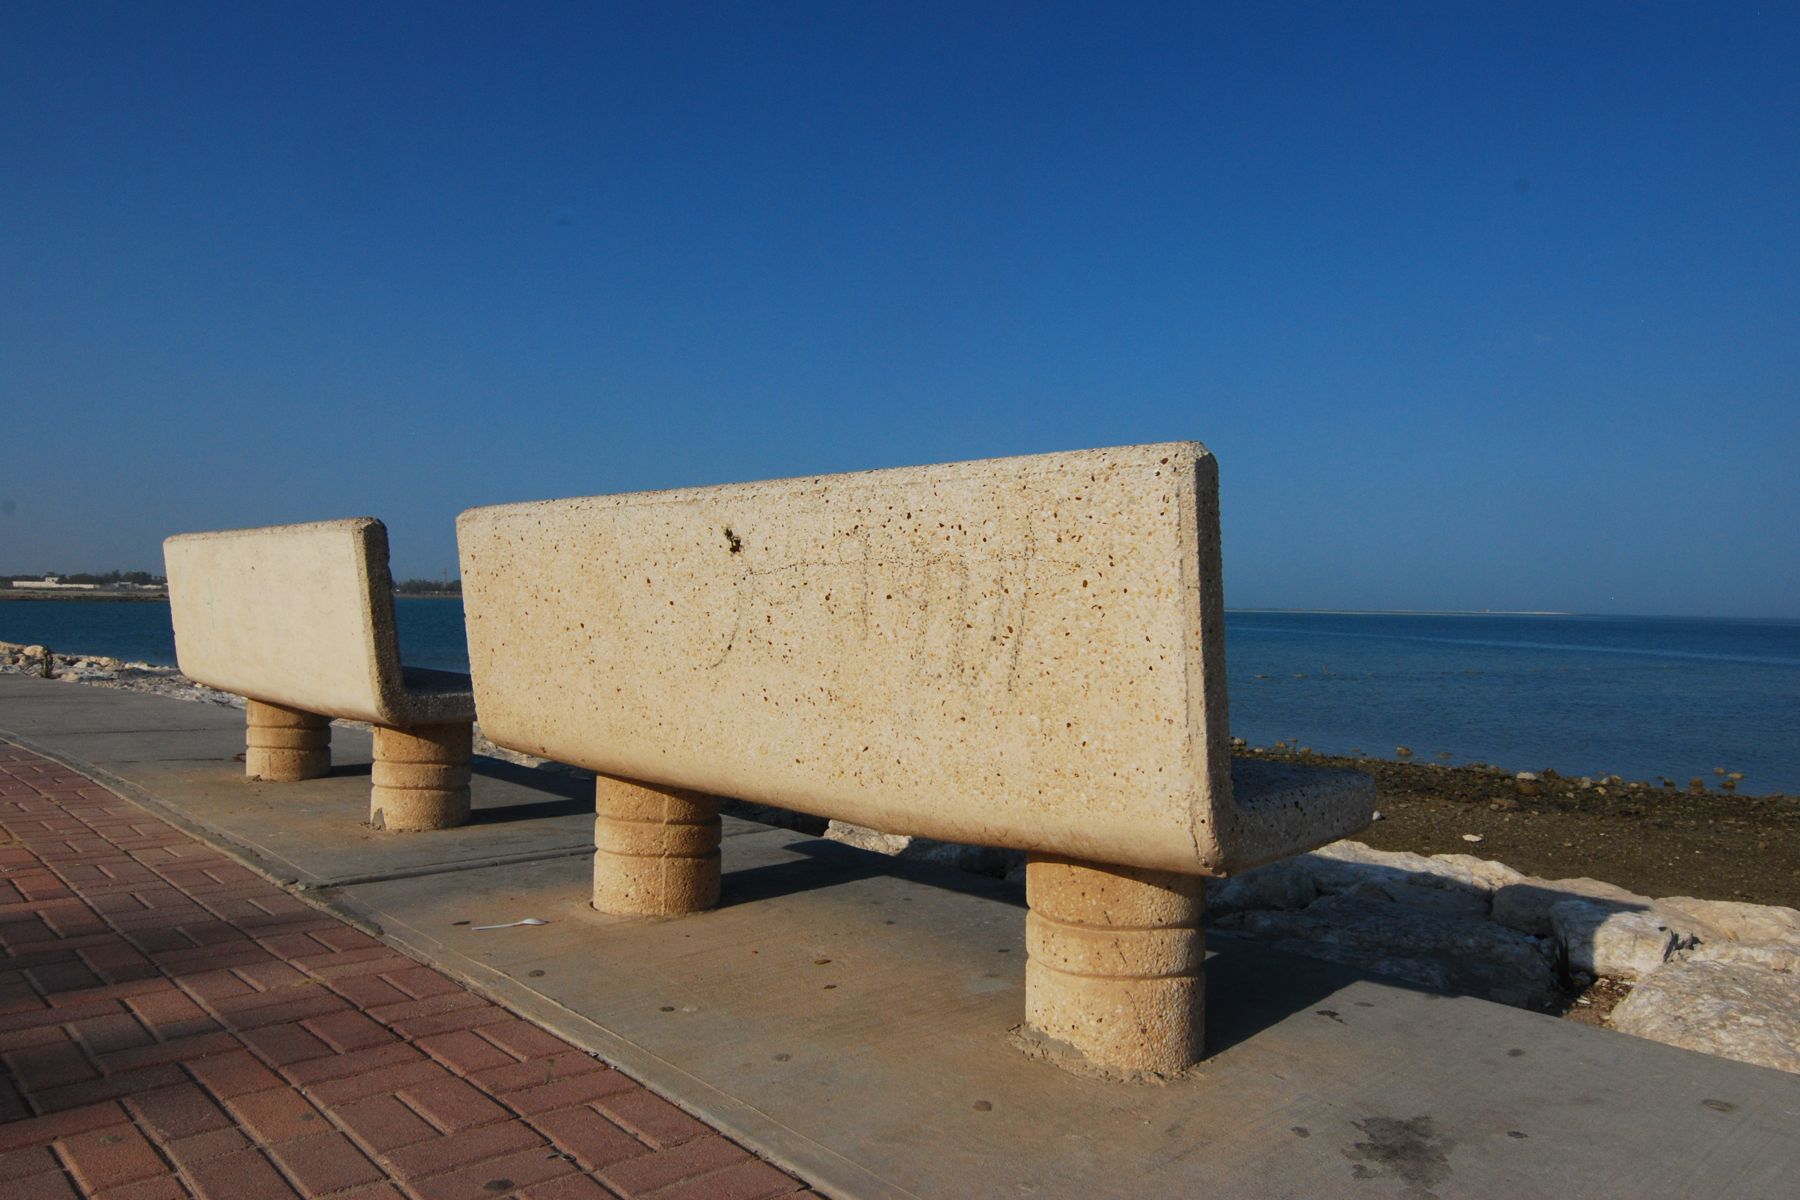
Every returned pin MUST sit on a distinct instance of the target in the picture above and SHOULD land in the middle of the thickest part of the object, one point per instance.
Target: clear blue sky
(1478, 305)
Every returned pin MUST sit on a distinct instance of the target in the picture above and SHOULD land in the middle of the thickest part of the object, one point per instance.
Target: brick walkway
(173, 1025)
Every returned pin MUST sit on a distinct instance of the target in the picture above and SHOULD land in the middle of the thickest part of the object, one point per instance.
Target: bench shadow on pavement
(566, 795)
(829, 864)
(1250, 988)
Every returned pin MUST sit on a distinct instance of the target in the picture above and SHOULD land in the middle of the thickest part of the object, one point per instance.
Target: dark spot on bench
(734, 541)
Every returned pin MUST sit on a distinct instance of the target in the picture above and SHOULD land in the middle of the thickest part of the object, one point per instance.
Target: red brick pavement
(173, 1025)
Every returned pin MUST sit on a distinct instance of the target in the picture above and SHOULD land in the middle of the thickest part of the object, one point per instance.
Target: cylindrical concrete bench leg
(656, 849)
(285, 745)
(421, 777)
(1116, 955)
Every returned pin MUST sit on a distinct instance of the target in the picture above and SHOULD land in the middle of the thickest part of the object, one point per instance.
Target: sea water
(1639, 697)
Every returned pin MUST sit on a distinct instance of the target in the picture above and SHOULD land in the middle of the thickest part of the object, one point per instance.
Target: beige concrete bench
(299, 620)
(1025, 653)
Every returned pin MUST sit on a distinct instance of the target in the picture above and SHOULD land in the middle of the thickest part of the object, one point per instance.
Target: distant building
(55, 583)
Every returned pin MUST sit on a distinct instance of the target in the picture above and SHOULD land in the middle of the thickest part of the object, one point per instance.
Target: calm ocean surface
(1586, 695)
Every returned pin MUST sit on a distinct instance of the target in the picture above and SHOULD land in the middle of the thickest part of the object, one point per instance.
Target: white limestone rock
(1285, 883)
(1448, 901)
(1485, 872)
(1733, 921)
(1526, 904)
(1401, 875)
(1733, 1010)
(1600, 940)
(1455, 953)
(863, 838)
(1773, 956)
(1458, 884)
(1340, 866)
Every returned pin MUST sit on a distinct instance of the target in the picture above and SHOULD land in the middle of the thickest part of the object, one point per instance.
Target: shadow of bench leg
(421, 778)
(1115, 963)
(285, 745)
(656, 849)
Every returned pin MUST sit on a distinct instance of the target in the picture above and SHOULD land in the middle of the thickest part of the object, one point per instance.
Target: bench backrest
(297, 615)
(1021, 652)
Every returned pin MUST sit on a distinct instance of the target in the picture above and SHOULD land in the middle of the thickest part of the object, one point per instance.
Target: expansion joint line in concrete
(453, 868)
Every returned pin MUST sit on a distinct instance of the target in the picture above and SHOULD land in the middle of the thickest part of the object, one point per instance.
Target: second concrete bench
(299, 620)
(1025, 653)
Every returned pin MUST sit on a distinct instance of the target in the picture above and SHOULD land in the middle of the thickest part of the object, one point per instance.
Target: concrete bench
(1025, 653)
(299, 620)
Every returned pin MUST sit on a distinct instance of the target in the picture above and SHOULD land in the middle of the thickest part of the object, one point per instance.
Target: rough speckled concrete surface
(1114, 963)
(285, 745)
(1019, 652)
(656, 849)
(420, 777)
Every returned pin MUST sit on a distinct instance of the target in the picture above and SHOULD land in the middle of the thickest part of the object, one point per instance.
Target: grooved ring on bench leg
(1115, 963)
(656, 849)
(285, 745)
(421, 777)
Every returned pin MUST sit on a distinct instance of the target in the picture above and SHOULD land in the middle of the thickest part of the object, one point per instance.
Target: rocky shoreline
(1654, 839)
(1691, 938)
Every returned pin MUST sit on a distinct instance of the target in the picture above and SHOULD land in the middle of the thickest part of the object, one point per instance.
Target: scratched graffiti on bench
(957, 614)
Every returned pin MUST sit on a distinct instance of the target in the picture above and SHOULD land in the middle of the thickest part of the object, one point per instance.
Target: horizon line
(1491, 612)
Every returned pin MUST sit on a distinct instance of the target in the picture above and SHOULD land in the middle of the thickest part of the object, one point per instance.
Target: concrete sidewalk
(846, 1016)
(173, 1024)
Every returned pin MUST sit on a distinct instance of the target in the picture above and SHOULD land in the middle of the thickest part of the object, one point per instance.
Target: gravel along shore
(1643, 836)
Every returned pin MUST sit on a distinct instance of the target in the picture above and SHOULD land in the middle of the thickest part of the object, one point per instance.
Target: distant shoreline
(1410, 612)
(74, 594)
(139, 597)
